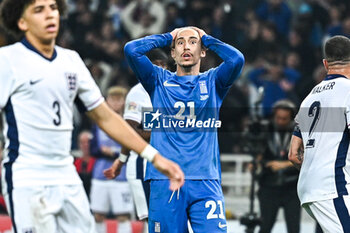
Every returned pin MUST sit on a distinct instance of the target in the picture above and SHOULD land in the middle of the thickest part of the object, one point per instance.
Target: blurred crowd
(281, 41)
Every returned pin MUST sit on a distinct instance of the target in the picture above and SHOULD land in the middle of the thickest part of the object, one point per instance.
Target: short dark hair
(337, 50)
(157, 54)
(11, 11)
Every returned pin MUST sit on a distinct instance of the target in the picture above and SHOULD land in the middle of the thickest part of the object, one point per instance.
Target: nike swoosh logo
(34, 82)
(166, 84)
(222, 225)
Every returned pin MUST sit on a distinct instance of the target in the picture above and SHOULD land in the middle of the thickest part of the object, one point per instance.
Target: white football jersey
(136, 100)
(36, 100)
(323, 119)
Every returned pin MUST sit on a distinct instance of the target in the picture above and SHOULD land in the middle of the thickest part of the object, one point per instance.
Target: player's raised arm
(119, 130)
(233, 59)
(135, 54)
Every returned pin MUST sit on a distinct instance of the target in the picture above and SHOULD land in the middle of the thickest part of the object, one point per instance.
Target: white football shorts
(51, 209)
(332, 214)
(106, 195)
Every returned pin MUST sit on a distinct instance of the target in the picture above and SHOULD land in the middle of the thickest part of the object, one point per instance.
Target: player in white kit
(38, 84)
(136, 101)
(320, 143)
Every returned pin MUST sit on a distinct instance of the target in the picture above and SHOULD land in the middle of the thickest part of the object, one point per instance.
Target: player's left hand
(174, 32)
(114, 170)
(201, 32)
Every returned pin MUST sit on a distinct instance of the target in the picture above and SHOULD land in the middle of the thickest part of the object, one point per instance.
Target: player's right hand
(174, 32)
(114, 170)
(171, 170)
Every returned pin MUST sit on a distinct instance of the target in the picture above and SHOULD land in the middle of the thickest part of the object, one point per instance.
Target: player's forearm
(135, 51)
(225, 51)
(295, 154)
(139, 47)
(233, 59)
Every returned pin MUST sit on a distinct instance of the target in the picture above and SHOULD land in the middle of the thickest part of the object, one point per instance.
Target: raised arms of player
(135, 54)
(119, 130)
(296, 151)
(233, 59)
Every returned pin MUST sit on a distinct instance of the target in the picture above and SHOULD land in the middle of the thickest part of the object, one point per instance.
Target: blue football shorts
(199, 201)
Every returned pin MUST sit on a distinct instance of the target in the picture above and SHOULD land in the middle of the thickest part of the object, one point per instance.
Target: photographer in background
(278, 178)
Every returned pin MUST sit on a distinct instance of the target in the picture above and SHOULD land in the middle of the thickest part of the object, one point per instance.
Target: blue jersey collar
(333, 76)
(29, 46)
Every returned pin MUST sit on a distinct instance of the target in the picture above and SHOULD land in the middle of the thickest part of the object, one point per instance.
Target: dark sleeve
(297, 132)
(233, 60)
(135, 55)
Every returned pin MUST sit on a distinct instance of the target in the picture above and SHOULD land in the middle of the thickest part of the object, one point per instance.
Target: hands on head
(176, 30)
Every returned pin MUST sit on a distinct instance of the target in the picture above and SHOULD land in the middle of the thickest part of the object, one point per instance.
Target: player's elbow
(236, 62)
(240, 59)
(129, 49)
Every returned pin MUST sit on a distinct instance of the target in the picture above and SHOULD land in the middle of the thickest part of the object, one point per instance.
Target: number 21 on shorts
(213, 206)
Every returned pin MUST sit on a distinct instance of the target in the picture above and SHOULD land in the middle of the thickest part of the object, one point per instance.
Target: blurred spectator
(342, 29)
(278, 83)
(110, 195)
(143, 17)
(114, 13)
(196, 10)
(278, 179)
(102, 74)
(80, 23)
(299, 44)
(277, 12)
(174, 19)
(85, 163)
(310, 26)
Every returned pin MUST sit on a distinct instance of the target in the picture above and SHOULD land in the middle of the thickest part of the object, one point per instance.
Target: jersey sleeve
(233, 61)
(297, 132)
(133, 106)
(7, 81)
(143, 68)
(89, 95)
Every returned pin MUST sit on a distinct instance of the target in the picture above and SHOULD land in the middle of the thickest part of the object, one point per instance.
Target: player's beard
(187, 68)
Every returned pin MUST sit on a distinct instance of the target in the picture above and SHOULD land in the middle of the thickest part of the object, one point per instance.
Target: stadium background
(280, 38)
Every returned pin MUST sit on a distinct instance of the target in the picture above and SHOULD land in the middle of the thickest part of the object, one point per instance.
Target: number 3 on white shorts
(211, 214)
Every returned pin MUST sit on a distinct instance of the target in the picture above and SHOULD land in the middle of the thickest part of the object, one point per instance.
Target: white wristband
(123, 158)
(148, 153)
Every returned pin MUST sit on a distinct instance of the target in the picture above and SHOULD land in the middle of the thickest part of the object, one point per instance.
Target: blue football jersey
(188, 106)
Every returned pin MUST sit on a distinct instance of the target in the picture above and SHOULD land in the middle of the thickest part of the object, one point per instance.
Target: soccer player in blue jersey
(193, 99)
